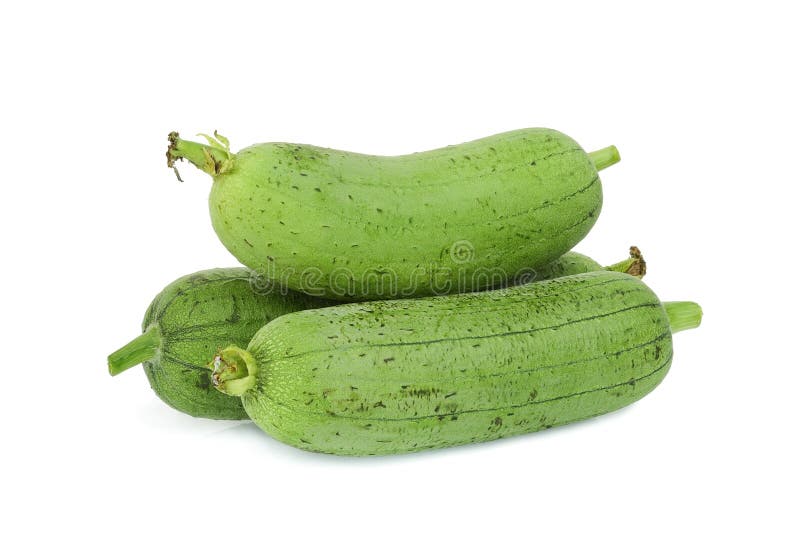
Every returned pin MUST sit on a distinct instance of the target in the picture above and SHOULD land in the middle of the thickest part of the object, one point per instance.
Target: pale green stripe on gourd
(398, 376)
(354, 227)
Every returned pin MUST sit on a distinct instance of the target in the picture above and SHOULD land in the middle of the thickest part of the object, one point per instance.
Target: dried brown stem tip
(638, 267)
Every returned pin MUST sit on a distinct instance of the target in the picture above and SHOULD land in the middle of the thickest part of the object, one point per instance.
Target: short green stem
(605, 157)
(212, 160)
(140, 350)
(634, 266)
(683, 315)
(233, 371)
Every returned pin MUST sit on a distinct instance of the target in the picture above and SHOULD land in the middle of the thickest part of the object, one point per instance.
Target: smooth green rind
(196, 316)
(357, 227)
(399, 376)
(568, 264)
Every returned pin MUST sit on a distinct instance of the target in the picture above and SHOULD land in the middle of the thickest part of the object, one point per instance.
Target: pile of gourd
(394, 304)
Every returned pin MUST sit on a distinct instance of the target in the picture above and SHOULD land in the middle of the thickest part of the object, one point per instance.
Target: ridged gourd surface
(353, 226)
(199, 314)
(406, 375)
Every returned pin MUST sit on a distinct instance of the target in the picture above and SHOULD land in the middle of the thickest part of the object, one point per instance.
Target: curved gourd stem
(140, 350)
(683, 315)
(233, 371)
(213, 159)
(634, 266)
(605, 157)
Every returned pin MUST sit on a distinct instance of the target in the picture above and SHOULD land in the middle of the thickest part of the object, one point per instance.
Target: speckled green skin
(197, 315)
(357, 227)
(568, 264)
(398, 376)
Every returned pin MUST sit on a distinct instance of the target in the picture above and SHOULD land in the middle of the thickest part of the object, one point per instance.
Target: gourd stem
(207, 158)
(683, 315)
(605, 157)
(634, 266)
(140, 350)
(233, 371)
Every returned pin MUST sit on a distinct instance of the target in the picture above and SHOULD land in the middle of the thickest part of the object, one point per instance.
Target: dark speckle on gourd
(204, 381)
(439, 197)
(442, 371)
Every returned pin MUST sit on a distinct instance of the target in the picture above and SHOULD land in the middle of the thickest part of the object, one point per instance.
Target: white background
(700, 98)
